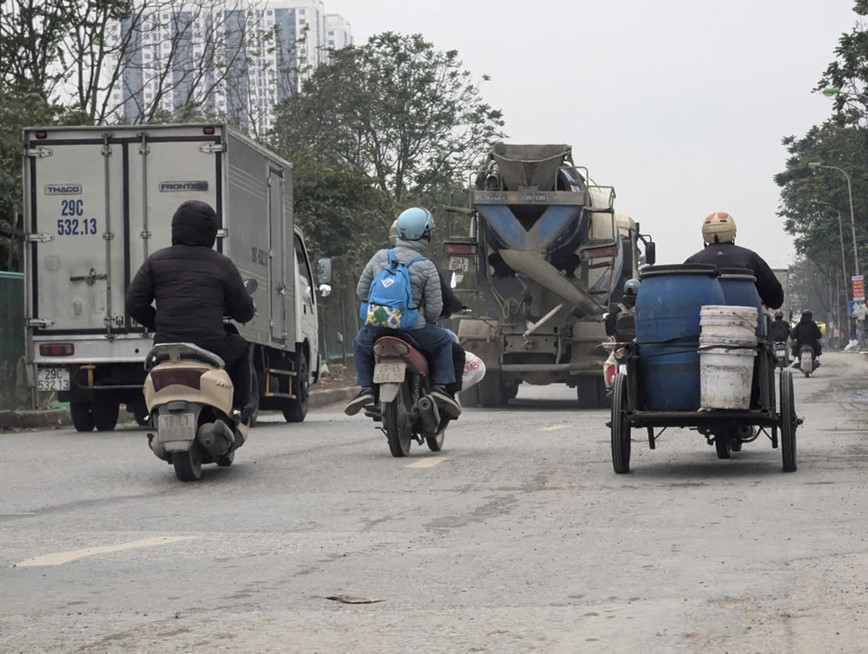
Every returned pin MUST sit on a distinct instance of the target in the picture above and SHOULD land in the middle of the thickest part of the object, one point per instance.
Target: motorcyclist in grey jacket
(414, 228)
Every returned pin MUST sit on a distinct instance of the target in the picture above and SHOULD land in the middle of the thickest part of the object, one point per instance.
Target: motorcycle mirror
(250, 285)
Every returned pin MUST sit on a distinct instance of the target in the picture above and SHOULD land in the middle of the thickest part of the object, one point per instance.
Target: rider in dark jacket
(806, 332)
(779, 329)
(718, 233)
(194, 288)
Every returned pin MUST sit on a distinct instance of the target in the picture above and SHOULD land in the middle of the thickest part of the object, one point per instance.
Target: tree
(841, 141)
(396, 107)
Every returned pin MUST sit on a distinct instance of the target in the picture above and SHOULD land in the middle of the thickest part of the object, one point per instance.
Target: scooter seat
(401, 347)
(176, 352)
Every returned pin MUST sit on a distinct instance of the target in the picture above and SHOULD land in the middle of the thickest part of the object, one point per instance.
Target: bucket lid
(679, 269)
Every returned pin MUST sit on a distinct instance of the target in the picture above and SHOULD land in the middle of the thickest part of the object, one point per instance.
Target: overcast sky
(679, 104)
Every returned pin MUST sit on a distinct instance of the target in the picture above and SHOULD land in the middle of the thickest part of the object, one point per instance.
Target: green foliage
(396, 107)
(339, 209)
(841, 141)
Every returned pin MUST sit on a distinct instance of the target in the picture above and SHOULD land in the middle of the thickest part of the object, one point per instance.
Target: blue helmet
(414, 223)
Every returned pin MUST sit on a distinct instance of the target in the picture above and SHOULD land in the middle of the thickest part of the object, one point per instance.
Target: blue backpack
(390, 298)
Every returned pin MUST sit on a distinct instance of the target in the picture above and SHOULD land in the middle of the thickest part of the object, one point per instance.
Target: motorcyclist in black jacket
(194, 288)
(806, 332)
(718, 233)
(779, 329)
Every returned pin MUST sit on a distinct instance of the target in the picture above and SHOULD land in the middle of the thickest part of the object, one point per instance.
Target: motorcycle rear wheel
(435, 443)
(396, 422)
(188, 465)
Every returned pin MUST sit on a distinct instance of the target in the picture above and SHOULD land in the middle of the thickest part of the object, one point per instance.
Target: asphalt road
(517, 537)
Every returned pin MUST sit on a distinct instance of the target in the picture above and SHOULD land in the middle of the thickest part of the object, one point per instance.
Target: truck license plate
(389, 371)
(461, 264)
(52, 379)
(177, 426)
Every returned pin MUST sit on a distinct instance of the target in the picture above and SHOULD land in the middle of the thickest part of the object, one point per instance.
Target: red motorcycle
(407, 410)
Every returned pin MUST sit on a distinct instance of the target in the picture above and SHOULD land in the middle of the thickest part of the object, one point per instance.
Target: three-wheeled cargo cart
(775, 415)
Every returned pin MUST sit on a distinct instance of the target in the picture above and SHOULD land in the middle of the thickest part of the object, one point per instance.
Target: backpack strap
(393, 258)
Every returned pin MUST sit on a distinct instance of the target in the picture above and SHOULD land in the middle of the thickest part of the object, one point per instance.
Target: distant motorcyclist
(718, 234)
(414, 227)
(194, 288)
(779, 329)
(806, 332)
(621, 320)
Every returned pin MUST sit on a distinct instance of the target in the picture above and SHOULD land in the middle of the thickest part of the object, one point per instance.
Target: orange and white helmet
(719, 227)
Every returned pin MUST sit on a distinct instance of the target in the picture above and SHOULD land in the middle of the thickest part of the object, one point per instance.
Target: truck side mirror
(323, 271)
(650, 253)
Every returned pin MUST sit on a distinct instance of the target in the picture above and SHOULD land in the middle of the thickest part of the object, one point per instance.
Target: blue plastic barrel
(739, 289)
(667, 333)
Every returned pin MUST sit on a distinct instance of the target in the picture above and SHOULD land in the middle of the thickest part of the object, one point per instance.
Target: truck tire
(82, 419)
(105, 413)
(591, 393)
(296, 410)
(491, 391)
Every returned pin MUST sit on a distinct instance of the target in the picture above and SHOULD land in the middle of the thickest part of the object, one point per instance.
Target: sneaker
(360, 401)
(446, 401)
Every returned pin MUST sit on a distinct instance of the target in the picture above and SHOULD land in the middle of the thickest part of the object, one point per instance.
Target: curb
(322, 398)
(11, 420)
(49, 418)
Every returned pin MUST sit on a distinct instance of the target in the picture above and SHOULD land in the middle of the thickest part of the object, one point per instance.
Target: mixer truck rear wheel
(591, 393)
(491, 391)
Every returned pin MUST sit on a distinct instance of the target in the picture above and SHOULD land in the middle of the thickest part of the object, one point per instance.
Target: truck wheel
(82, 419)
(491, 391)
(470, 397)
(105, 414)
(296, 410)
(591, 393)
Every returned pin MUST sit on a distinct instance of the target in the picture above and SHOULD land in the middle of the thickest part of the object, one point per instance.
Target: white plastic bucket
(726, 356)
(728, 325)
(725, 377)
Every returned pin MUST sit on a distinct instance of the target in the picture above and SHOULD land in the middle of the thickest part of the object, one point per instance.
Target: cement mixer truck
(544, 256)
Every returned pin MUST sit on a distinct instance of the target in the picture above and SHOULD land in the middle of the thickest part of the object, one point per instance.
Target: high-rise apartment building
(233, 58)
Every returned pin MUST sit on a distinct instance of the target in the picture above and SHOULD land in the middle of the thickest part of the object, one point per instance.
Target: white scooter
(807, 362)
(189, 397)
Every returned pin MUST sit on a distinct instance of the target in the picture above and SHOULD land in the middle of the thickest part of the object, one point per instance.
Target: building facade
(228, 58)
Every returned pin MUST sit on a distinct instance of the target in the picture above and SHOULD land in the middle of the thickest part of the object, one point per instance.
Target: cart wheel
(620, 426)
(723, 443)
(788, 421)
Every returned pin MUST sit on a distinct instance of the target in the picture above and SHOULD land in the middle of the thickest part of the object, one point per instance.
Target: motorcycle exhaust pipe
(429, 412)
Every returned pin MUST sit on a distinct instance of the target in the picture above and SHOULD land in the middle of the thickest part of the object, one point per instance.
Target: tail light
(56, 349)
(460, 248)
(190, 377)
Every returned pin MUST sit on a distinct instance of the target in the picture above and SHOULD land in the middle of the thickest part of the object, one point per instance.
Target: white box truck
(99, 201)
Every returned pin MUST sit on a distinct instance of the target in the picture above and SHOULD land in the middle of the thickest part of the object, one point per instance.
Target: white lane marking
(59, 558)
(555, 427)
(429, 462)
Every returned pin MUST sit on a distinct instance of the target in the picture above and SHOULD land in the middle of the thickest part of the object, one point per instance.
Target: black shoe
(445, 401)
(364, 398)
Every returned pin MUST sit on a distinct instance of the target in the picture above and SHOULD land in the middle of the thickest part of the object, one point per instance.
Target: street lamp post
(816, 164)
(843, 254)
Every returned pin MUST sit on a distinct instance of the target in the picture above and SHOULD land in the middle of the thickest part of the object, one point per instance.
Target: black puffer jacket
(194, 286)
(730, 255)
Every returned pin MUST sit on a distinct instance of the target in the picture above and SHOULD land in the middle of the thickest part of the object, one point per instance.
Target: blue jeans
(434, 342)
